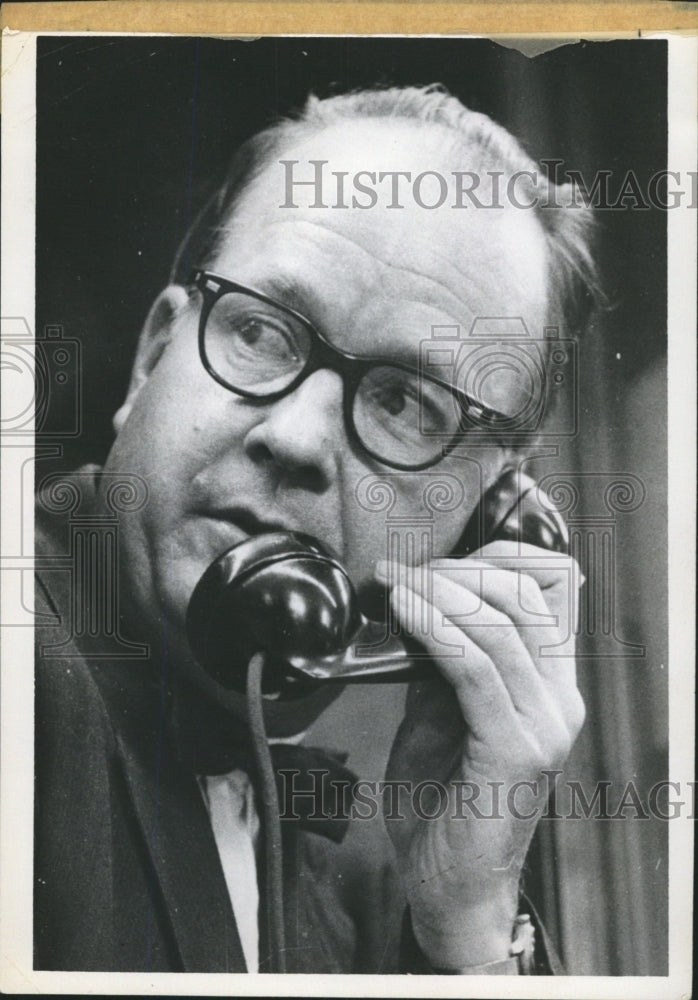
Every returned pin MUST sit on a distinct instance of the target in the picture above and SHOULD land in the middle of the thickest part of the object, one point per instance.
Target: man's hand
(501, 712)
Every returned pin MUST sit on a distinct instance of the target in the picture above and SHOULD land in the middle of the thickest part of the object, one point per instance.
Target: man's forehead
(446, 265)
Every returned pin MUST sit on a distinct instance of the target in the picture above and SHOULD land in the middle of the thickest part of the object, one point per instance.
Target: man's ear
(153, 340)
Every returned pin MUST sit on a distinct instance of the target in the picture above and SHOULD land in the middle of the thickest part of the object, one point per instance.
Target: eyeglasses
(261, 349)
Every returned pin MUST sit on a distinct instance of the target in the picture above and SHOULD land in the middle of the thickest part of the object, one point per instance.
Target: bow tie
(314, 787)
(313, 784)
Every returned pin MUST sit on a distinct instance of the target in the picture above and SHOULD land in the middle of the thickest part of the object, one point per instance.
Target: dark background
(134, 133)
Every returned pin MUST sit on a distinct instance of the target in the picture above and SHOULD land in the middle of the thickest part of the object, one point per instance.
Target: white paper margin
(16, 691)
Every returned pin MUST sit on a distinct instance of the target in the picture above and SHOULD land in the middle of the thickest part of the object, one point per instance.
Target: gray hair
(567, 222)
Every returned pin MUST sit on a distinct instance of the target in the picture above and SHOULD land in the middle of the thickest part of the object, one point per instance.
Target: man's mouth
(234, 525)
(249, 523)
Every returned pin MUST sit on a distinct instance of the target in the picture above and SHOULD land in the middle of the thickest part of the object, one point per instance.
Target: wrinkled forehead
(343, 216)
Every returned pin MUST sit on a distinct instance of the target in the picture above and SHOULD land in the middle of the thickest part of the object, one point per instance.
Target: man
(247, 412)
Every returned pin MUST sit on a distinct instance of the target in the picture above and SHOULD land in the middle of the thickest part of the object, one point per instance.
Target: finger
(503, 618)
(543, 689)
(516, 598)
(536, 729)
(497, 636)
(536, 589)
(482, 695)
(490, 612)
(519, 599)
(559, 576)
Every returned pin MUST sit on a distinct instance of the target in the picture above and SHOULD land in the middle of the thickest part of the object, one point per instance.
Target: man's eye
(391, 395)
(409, 405)
(265, 336)
(393, 400)
(253, 345)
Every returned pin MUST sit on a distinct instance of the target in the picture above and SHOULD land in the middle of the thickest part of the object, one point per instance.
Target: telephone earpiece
(284, 594)
(515, 509)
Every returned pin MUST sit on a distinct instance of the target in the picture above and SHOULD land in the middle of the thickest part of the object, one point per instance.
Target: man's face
(375, 281)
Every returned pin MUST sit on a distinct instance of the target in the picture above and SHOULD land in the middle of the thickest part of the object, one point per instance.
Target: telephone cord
(272, 824)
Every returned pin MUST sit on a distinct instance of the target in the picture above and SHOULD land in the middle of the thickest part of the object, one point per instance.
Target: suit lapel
(186, 867)
(187, 877)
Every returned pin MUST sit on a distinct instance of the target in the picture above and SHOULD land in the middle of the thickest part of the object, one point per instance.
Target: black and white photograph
(348, 406)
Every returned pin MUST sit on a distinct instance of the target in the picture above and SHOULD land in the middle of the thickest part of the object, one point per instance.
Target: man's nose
(302, 434)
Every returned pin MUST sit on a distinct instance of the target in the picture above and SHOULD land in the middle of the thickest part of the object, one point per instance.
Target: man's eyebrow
(290, 291)
(293, 291)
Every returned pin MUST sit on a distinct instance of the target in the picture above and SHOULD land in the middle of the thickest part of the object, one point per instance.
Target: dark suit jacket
(127, 874)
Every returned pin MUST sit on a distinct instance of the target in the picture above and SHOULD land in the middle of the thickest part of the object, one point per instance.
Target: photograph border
(18, 294)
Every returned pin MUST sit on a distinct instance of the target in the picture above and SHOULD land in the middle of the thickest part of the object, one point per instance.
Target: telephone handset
(284, 594)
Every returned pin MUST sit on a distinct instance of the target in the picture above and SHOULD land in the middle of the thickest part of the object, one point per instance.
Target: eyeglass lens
(257, 348)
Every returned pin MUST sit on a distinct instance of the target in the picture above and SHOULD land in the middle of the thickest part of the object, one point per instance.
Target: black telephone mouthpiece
(282, 593)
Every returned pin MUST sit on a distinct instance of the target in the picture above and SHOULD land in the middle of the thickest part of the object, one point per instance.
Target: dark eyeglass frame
(350, 367)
